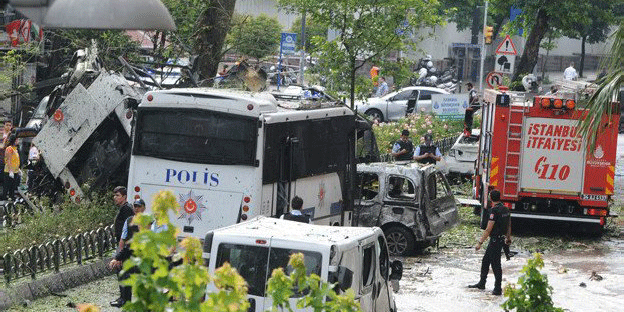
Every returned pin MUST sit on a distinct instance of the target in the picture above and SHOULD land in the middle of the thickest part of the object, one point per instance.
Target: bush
(70, 219)
(418, 124)
(534, 292)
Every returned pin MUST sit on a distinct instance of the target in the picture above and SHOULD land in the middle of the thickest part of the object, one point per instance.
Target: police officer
(427, 153)
(499, 231)
(295, 213)
(403, 148)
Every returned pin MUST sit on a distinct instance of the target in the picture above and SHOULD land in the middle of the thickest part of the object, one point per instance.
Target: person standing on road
(11, 168)
(124, 253)
(403, 148)
(383, 87)
(295, 213)
(125, 211)
(570, 73)
(427, 153)
(499, 231)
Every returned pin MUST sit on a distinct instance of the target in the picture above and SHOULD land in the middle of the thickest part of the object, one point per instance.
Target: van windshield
(251, 263)
(196, 136)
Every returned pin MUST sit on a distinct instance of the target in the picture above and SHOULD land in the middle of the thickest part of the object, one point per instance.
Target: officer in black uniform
(499, 231)
(427, 153)
(295, 213)
(403, 148)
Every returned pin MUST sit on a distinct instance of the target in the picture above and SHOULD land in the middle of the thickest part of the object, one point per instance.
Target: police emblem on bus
(192, 206)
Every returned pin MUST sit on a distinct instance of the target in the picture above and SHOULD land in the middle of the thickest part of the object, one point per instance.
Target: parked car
(395, 105)
(350, 257)
(460, 160)
(412, 203)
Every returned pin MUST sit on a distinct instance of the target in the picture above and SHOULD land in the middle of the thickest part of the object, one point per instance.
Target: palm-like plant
(603, 102)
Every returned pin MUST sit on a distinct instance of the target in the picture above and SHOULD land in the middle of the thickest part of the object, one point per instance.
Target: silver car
(397, 104)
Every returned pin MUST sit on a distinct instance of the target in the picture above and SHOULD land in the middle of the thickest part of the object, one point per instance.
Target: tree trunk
(582, 65)
(531, 49)
(352, 86)
(546, 59)
(213, 25)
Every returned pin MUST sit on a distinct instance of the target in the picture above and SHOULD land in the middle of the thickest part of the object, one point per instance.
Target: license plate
(593, 197)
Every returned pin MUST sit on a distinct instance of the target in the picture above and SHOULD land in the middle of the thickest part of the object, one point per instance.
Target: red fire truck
(532, 152)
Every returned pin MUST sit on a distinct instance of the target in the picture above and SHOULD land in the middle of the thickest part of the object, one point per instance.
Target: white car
(395, 105)
(462, 156)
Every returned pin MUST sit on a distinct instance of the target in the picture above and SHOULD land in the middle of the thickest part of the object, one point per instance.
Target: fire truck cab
(532, 152)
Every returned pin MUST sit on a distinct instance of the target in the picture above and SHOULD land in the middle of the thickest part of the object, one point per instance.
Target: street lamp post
(483, 48)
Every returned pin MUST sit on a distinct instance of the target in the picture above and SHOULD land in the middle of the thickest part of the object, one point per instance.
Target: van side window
(368, 265)
(368, 186)
(400, 188)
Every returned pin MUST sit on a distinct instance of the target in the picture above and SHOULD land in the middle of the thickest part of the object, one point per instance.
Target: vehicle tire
(400, 241)
(375, 114)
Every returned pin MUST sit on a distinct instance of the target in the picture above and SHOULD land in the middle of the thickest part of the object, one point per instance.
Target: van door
(367, 203)
(439, 203)
(383, 299)
(368, 288)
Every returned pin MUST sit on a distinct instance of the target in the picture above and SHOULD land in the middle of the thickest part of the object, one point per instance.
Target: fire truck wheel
(400, 241)
(375, 114)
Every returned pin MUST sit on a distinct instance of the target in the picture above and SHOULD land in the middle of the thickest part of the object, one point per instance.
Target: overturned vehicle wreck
(84, 135)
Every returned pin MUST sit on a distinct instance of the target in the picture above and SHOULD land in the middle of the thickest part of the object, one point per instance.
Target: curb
(54, 283)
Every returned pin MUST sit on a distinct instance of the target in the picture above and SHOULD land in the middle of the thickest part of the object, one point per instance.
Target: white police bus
(229, 156)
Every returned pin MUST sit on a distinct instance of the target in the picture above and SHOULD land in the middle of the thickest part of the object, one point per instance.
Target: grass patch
(67, 219)
(530, 237)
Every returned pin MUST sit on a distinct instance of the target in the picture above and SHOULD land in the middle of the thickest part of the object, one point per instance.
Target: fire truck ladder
(511, 181)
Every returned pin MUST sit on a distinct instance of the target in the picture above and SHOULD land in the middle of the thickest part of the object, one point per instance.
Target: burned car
(412, 203)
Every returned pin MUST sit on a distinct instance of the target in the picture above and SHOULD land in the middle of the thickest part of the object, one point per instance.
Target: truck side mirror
(396, 270)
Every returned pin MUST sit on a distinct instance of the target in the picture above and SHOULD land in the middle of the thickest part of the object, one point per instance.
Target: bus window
(196, 136)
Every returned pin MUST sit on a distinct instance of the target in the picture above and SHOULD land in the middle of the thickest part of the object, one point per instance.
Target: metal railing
(53, 254)
(444, 145)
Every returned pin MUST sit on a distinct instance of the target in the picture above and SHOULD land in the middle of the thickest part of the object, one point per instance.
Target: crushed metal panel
(72, 124)
(80, 114)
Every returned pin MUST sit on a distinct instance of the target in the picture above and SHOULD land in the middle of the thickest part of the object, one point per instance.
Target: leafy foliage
(312, 29)
(365, 30)
(13, 64)
(534, 292)
(70, 219)
(418, 124)
(254, 37)
(186, 283)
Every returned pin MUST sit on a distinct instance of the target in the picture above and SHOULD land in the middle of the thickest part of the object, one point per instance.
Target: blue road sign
(288, 44)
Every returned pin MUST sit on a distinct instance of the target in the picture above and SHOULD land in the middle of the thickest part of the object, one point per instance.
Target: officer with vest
(427, 153)
(499, 231)
(403, 148)
(295, 213)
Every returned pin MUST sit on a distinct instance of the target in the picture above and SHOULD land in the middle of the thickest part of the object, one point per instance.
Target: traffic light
(488, 32)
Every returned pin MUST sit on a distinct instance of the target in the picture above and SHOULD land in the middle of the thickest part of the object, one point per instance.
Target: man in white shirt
(570, 73)
(383, 87)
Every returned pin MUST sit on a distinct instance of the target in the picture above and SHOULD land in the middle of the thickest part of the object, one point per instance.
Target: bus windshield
(196, 136)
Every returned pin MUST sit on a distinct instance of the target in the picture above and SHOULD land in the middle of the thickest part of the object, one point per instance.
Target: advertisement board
(551, 153)
(449, 106)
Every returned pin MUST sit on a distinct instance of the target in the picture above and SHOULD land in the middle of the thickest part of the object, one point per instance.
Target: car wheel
(375, 114)
(400, 241)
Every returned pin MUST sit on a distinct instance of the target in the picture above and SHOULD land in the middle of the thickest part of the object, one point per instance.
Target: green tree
(202, 29)
(255, 37)
(549, 45)
(538, 17)
(312, 29)
(366, 30)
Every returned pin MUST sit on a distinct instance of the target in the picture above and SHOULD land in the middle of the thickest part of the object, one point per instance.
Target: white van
(353, 257)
